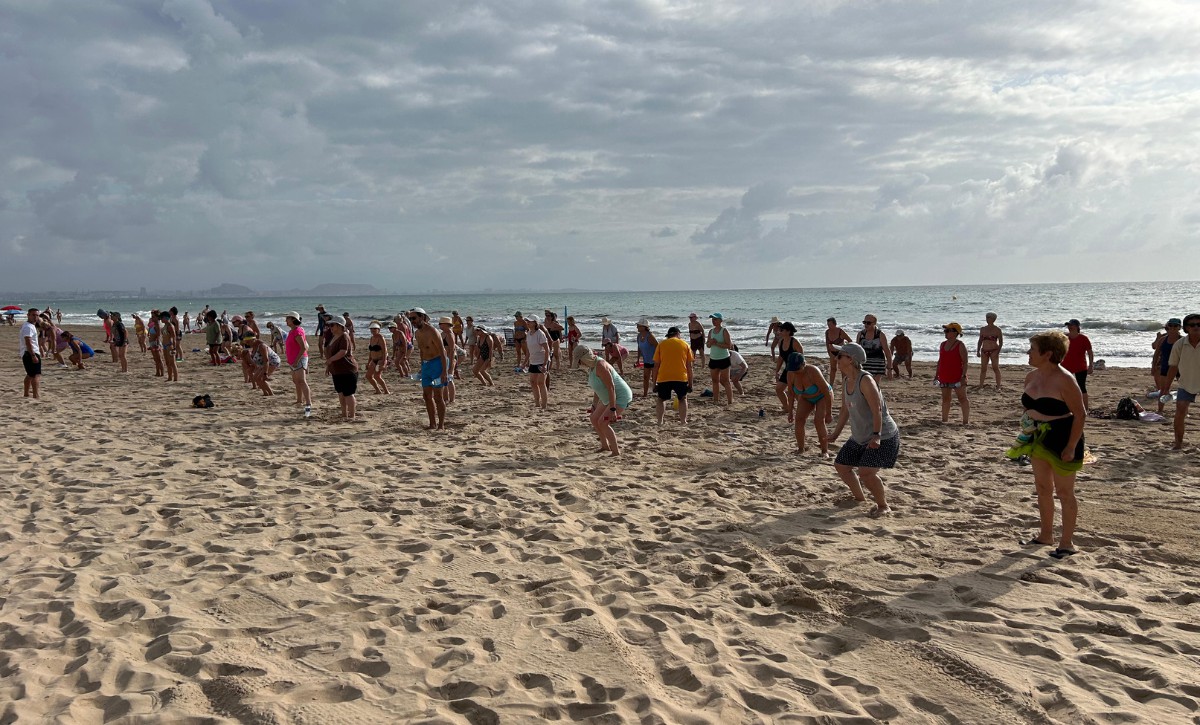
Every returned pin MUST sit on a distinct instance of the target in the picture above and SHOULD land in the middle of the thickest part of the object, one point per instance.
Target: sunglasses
(868, 322)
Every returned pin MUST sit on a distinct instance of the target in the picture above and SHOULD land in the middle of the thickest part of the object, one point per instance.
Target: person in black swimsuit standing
(788, 344)
(1052, 437)
(377, 359)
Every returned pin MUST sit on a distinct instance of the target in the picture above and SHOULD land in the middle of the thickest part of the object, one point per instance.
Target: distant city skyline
(179, 144)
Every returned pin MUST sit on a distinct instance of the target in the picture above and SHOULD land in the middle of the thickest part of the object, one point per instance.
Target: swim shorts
(1184, 396)
(536, 369)
(32, 369)
(345, 383)
(698, 344)
(678, 387)
(721, 364)
(431, 373)
(1081, 378)
(301, 364)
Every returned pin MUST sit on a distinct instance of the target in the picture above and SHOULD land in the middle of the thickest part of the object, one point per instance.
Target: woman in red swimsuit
(952, 371)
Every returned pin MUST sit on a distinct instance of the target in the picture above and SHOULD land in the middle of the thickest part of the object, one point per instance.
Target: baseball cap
(716, 316)
(1174, 322)
(1072, 322)
(643, 322)
(899, 333)
(419, 311)
(854, 350)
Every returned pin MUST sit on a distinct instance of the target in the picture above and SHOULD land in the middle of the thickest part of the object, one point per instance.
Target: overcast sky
(636, 144)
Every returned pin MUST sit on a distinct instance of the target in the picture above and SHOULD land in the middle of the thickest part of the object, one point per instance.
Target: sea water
(1120, 318)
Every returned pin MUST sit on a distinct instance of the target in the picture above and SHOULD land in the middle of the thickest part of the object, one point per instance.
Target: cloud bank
(631, 144)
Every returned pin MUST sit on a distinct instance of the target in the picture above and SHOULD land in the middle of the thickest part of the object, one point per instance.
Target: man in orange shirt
(673, 363)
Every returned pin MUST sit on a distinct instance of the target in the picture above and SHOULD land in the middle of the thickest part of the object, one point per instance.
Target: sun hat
(236, 319)
(392, 325)
(1174, 322)
(445, 321)
(716, 316)
(853, 350)
(375, 326)
(775, 319)
(1071, 323)
(899, 333)
(294, 315)
(604, 321)
(953, 326)
(643, 322)
(331, 320)
(693, 316)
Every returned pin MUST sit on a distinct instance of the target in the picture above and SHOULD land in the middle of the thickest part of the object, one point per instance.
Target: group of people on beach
(1054, 396)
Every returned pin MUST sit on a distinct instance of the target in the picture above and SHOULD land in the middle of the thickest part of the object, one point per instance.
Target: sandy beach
(245, 565)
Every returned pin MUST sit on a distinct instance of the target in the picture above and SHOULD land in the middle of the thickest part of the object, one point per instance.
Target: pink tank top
(292, 347)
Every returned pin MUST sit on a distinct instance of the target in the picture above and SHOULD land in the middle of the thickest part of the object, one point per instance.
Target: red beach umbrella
(15, 308)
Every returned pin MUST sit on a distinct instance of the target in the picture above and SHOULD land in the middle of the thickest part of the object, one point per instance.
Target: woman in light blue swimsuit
(809, 391)
(646, 345)
(611, 396)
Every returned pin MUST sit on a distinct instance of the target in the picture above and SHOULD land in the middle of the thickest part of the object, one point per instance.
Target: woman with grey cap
(341, 365)
(485, 344)
(874, 441)
(377, 351)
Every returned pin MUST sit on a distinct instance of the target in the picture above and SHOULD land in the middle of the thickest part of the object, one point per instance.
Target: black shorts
(536, 369)
(32, 369)
(648, 365)
(345, 384)
(1081, 378)
(719, 364)
(698, 344)
(678, 387)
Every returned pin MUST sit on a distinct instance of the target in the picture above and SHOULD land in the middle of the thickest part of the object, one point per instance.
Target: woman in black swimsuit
(377, 359)
(1052, 437)
(485, 341)
(788, 344)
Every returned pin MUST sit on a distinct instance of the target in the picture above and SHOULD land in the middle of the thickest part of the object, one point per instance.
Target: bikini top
(1045, 406)
(375, 348)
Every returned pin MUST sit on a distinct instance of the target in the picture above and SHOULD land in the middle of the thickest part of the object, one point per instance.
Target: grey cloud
(410, 132)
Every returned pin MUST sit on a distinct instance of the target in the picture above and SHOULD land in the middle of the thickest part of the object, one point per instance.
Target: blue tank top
(1164, 356)
(646, 349)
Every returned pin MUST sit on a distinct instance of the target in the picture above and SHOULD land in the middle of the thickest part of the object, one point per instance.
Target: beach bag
(1127, 409)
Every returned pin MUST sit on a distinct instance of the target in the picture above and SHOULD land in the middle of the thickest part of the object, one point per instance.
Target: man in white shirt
(31, 356)
(537, 347)
(738, 370)
(1184, 362)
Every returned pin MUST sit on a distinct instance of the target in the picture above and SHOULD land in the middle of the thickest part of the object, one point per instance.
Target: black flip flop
(1063, 553)
(1034, 542)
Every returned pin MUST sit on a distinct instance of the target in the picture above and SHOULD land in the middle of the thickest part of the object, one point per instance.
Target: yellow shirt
(672, 359)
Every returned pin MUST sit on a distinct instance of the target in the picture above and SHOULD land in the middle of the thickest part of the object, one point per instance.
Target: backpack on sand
(1127, 409)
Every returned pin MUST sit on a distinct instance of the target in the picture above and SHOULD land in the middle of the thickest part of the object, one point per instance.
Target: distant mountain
(228, 290)
(342, 290)
(236, 291)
